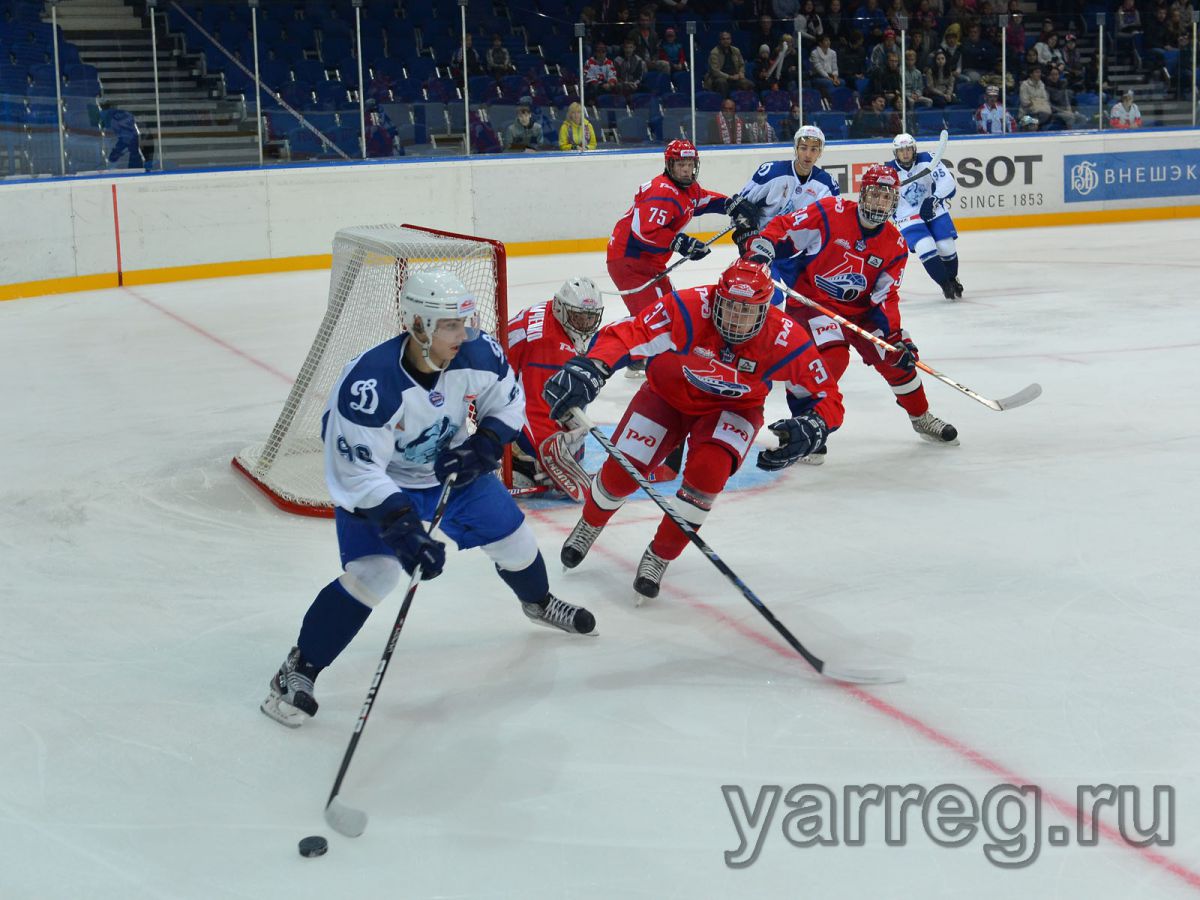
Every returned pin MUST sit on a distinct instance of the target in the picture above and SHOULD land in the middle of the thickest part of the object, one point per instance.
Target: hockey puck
(313, 846)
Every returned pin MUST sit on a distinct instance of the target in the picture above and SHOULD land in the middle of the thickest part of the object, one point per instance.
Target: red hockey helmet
(682, 162)
(878, 194)
(743, 296)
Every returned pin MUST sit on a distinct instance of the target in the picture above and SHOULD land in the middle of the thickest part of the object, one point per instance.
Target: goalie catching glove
(686, 245)
(573, 386)
(802, 436)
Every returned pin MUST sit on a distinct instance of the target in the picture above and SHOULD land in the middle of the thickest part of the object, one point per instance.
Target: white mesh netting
(370, 266)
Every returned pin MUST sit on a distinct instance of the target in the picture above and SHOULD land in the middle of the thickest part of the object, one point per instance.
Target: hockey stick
(933, 161)
(342, 818)
(852, 675)
(679, 262)
(1020, 398)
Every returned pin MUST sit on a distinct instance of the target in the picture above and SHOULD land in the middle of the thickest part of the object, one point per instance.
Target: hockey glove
(477, 455)
(403, 531)
(576, 384)
(760, 250)
(929, 208)
(742, 211)
(742, 236)
(798, 437)
(906, 355)
(686, 245)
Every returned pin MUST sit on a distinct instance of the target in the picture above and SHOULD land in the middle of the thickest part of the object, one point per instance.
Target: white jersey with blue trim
(780, 190)
(383, 430)
(939, 183)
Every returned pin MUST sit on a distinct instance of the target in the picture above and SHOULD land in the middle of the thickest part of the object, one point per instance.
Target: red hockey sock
(708, 469)
(609, 490)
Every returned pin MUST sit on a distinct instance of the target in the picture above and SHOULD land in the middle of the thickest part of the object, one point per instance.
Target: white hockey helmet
(809, 133)
(430, 296)
(900, 142)
(578, 307)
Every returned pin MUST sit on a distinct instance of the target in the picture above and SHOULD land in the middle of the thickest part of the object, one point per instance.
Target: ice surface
(1037, 585)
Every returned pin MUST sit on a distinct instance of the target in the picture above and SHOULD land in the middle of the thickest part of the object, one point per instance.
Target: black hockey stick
(837, 673)
(933, 161)
(675, 265)
(342, 818)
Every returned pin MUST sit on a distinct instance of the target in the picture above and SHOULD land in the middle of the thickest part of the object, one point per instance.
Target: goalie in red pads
(851, 259)
(540, 339)
(713, 353)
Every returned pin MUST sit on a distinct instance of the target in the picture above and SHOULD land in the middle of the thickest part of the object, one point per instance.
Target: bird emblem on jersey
(425, 447)
(846, 282)
(716, 379)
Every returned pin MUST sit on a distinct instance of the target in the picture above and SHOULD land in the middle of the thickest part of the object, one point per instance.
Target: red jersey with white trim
(538, 346)
(661, 209)
(697, 372)
(855, 272)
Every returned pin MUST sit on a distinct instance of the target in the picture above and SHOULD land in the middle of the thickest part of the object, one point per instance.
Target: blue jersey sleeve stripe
(787, 359)
(670, 200)
(825, 221)
(687, 321)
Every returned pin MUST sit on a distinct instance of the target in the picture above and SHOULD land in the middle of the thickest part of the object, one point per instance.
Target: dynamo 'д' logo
(1084, 178)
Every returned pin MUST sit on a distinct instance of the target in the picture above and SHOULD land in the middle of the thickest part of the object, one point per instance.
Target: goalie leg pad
(560, 466)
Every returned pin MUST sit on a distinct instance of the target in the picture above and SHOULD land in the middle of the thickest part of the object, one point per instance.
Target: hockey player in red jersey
(652, 227)
(713, 354)
(851, 259)
(540, 340)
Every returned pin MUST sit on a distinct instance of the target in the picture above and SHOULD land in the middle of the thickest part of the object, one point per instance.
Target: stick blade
(345, 820)
(861, 674)
(1021, 397)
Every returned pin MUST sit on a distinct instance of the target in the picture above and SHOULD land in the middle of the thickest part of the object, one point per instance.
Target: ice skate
(636, 370)
(291, 701)
(648, 580)
(958, 289)
(555, 613)
(816, 458)
(934, 430)
(949, 290)
(578, 543)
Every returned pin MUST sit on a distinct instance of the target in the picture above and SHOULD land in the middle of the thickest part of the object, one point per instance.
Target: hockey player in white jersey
(923, 215)
(394, 432)
(785, 186)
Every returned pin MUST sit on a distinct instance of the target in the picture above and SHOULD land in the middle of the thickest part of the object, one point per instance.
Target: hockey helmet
(677, 156)
(879, 191)
(578, 307)
(430, 296)
(904, 141)
(809, 133)
(744, 295)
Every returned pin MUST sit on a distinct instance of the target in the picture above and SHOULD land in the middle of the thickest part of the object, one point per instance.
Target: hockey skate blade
(1020, 398)
(861, 675)
(344, 820)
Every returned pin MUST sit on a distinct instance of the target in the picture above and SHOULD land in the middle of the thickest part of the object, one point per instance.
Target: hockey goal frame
(501, 335)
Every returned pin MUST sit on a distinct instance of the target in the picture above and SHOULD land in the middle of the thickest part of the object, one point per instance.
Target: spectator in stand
(646, 43)
(1060, 101)
(1155, 39)
(881, 51)
(576, 132)
(499, 61)
(914, 82)
(940, 80)
(728, 127)
(1176, 25)
(1035, 102)
(837, 25)
(785, 10)
(956, 13)
(886, 81)
(672, 52)
(916, 43)
(599, 73)
(870, 20)
(810, 23)
(792, 123)
(759, 130)
(1125, 114)
(381, 133)
(987, 18)
(1015, 35)
(631, 68)
(978, 56)
(823, 62)
(925, 17)
(1127, 26)
(952, 47)
(129, 138)
(852, 62)
(524, 134)
(726, 67)
(897, 15)
(764, 79)
(1072, 63)
(619, 20)
(998, 78)
(1048, 51)
(765, 32)
(1185, 74)
(466, 51)
(875, 120)
(1030, 60)
(991, 117)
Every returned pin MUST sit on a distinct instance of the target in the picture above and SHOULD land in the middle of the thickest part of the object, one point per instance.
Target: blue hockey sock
(936, 268)
(951, 264)
(531, 584)
(330, 624)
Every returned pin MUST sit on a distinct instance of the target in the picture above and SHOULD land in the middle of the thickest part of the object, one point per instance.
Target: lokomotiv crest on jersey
(846, 282)
(717, 378)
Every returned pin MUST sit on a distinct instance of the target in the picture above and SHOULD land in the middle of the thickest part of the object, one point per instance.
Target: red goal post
(370, 266)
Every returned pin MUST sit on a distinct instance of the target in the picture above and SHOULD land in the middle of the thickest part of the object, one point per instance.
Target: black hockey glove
(477, 455)
(928, 208)
(801, 436)
(906, 355)
(759, 250)
(576, 384)
(742, 236)
(402, 530)
(743, 211)
(686, 245)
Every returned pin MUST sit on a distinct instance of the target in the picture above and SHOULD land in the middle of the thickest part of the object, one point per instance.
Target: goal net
(370, 267)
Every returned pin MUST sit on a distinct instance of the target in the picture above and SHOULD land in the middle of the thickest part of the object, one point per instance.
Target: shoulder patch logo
(367, 391)
(436, 398)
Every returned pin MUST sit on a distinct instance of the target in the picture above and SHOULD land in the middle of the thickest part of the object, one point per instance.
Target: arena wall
(92, 232)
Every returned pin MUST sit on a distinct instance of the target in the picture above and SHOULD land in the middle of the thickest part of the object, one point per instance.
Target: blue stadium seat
(931, 121)
(835, 125)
